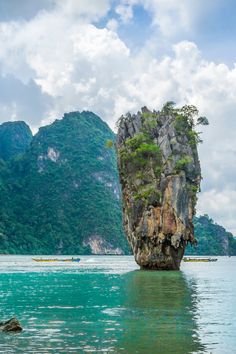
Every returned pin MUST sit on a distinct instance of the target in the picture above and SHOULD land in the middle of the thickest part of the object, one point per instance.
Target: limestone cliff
(160, 176)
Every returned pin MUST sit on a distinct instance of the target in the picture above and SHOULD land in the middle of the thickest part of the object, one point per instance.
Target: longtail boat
(199, 259)
(56, 259)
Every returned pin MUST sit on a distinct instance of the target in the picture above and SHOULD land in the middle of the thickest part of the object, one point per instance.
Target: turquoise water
(105, 304)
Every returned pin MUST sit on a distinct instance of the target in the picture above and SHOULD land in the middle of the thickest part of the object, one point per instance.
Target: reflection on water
(160, 314)
(106, 305)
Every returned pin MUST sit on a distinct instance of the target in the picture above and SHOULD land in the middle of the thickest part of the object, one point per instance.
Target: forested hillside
(212, 238)
(63, 194)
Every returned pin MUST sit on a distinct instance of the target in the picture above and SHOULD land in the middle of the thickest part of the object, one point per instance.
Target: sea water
(105, 304)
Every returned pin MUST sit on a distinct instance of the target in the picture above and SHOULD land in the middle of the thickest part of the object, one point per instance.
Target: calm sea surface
(105, 304)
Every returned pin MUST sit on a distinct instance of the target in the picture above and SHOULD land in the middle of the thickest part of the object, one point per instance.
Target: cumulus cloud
(112, 24)
(86, 10)
(60, 61)
(71, 60)
(125, 11)
(170, 16)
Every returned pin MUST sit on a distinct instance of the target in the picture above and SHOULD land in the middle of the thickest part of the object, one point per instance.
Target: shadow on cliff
(161, 307)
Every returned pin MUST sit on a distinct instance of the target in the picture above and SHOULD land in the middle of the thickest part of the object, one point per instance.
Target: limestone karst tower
(160, 176)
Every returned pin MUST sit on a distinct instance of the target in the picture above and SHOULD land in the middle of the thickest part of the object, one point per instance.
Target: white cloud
(77, 64)
(86, 10)
(125, 11)
(172, 17)
(112, 25)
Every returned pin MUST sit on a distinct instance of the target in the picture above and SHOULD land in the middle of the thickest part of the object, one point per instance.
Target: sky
(112, 56)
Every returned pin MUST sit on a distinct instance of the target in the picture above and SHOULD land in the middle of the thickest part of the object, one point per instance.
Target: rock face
(12, 325)
(160, 176)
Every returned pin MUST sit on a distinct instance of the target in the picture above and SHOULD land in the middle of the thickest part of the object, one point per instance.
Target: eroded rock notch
(160, 176)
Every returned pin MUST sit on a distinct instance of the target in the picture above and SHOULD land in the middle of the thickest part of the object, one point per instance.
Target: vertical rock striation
(160, 176)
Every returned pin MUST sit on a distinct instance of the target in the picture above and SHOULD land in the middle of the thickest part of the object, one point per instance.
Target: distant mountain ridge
(60, 192)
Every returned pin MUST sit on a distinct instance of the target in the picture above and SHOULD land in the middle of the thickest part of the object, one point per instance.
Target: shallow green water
(105, 304)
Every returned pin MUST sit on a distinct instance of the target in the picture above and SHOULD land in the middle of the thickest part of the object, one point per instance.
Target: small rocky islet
(160, 176)
(12, 325)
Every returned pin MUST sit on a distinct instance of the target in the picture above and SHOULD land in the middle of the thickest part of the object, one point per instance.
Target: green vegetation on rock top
(142, 153)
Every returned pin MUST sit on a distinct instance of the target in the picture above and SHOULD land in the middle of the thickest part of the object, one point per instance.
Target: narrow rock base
(170, 259)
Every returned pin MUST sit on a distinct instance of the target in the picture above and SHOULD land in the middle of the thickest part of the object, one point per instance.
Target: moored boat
(56, 259)
(185, 259)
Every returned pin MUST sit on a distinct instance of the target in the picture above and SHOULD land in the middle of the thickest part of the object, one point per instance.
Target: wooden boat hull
(56, 260)
(200, 259)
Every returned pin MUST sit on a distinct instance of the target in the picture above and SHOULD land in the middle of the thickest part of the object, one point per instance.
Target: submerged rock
(12, 325)
(160, 176)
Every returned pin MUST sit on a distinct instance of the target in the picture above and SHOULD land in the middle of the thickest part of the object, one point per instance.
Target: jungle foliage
(212, 239)
(63, 190)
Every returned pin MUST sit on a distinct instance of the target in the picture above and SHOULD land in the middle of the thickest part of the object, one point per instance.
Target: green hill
(63, 195)
(15, 138)
(212, 239)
